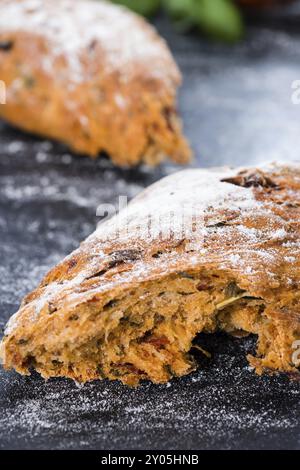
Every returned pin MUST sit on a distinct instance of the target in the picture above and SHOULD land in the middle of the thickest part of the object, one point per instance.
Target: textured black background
(236, 104)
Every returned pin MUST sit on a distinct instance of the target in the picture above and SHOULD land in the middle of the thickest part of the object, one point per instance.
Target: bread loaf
(199, 251)
(93, 75)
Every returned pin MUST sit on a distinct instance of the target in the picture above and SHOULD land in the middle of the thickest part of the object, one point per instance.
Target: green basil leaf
(179, 9)
(143, 7)
(220, 19)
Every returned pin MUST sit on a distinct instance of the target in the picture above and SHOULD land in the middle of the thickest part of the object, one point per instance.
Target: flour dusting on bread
(71, 30)
(126, 306)
(93, 75)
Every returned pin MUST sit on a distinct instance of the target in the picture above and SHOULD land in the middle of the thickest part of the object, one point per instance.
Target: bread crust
(237, 270)
(92, 75)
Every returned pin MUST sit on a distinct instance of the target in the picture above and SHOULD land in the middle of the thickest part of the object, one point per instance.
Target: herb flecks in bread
(92, 75)
(128, 303)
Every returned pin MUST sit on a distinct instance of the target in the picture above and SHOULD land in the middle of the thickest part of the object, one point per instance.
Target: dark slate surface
(236, 103)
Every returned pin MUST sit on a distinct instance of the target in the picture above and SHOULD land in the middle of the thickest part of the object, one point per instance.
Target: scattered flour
(225, 406)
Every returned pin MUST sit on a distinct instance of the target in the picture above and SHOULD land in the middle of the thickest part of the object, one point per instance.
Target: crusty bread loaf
(199, 251)
(93, 75)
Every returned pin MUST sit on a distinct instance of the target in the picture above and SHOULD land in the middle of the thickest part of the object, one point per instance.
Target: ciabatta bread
(93, 75)
(199, 251)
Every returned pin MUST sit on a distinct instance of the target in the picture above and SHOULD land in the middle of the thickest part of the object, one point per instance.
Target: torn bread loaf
(92, 75)
(199, 251)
